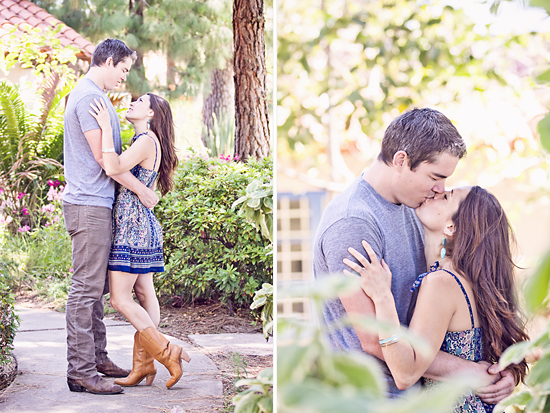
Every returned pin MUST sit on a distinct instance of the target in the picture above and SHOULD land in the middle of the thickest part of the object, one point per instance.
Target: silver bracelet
(108, 150)
(390, 340)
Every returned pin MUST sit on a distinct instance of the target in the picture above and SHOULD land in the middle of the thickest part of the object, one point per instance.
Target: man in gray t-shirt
(420, 149)
(87, 204)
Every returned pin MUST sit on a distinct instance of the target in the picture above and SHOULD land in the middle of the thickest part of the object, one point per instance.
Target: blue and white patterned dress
(137, 236)
(467, 344)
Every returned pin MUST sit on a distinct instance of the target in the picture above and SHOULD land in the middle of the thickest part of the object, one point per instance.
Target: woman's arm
(148, 197)
(115, 164)
(430, 321)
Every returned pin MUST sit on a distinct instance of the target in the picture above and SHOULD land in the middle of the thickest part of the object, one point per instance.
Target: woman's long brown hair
(162, 125)
(481, 251)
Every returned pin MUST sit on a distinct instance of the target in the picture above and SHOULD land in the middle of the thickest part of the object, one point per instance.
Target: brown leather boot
(95, 385)
(111, 369)
(169, 355)
(143, 366)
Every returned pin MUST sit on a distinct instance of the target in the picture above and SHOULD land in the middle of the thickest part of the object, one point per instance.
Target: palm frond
(15, 122)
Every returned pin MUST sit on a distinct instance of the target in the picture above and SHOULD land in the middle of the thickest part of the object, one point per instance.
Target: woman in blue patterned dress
(467, 305)
(136, 251)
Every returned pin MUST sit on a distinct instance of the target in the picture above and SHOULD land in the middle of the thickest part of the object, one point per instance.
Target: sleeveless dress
(137, 236)
(467, 344)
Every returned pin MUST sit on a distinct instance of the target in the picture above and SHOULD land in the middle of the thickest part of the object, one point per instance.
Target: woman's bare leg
(122, 285)
(147, 296)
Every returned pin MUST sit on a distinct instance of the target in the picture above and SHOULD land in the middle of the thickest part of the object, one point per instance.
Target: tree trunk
(251, 113)
(220, 101)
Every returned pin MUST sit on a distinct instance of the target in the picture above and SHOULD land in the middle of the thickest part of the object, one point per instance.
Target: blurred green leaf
(536, 288)
(321, 289)
(545, 4)
(348, 368)
(314, 396)
(544, 77)
(515, 353)
(522, 398)
(540, 372)
(543, 128)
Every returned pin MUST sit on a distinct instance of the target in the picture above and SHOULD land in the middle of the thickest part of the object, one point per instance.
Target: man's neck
(95, 75)
(379, 176)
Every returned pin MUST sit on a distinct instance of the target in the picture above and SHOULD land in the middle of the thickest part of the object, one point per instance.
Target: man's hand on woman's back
(501, 388)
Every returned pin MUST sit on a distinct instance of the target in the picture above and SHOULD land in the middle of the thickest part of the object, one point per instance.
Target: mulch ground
(199, 318)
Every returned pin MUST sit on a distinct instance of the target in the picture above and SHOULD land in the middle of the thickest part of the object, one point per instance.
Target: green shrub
(9, 322)
(264, 298)
(257, 206)
(257, 397)
(39, 258)
(312, 377)
(210, 250)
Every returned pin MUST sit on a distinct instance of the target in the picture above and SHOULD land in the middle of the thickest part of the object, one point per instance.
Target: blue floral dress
(137, 236)
(467, 344)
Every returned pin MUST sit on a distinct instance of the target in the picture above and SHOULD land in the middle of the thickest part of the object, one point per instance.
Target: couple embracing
(437, 261)
(116, 238)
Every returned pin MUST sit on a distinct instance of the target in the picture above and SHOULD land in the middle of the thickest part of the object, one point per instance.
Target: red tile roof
(13, 12)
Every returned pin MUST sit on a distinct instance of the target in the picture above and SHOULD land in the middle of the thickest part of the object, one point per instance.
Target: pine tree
(221, 100)
(195, 36)
(251, 112)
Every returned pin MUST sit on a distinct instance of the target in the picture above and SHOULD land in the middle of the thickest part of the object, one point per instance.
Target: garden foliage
(38, 258)
(313, 378)
(257, 397)
(535, 397)
(263, 298)
(257, 205)
(9, 321)
(212, 252)
(31, 148)
(220, 139)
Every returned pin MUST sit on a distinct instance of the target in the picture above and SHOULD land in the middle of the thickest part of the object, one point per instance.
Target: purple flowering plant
(22, 212)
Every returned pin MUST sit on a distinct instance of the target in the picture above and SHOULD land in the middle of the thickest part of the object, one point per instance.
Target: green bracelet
(390, 340)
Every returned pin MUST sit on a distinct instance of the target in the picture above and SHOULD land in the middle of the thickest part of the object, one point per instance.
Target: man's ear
(400, 159)
(109, 61)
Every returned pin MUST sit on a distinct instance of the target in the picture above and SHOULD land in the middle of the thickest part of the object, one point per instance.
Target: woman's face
(140, 109)
(437, 212)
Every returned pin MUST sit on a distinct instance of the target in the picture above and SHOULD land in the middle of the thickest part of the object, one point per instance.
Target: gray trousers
(90, 228)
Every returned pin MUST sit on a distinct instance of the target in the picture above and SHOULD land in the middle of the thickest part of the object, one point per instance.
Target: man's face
(428, 179)
(117, 74)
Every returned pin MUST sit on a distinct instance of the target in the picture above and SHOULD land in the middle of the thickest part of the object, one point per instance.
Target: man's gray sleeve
(346, 233)
(85, 118)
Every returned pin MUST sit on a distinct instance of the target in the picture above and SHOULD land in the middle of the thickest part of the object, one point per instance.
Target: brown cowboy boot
(95, 385)
(111, 369)
(143, 366)
(169, 355)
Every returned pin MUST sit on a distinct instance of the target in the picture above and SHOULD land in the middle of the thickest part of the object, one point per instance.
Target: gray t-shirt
(394, 233)
(87, 182)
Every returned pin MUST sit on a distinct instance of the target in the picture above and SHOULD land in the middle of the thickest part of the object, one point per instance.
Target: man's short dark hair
(423, 134)
(111, 48)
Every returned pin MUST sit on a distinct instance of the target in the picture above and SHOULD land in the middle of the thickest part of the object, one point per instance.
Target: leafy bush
(264, 298)
(39, 258)
(313, 378)
(210, 250)
(535, 396)
(29, 150)
(258, 396)
(9, 322)
(257, 205)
